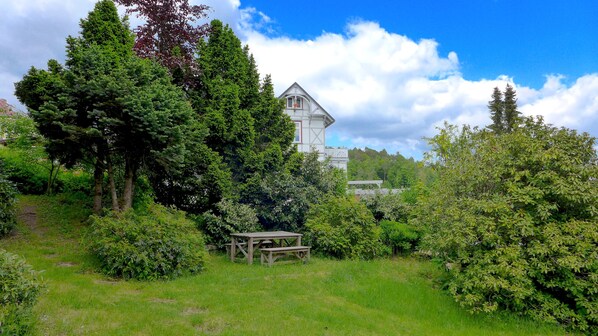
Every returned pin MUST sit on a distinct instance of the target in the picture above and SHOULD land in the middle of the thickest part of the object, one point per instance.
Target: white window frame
(299, 127)
(295, 102)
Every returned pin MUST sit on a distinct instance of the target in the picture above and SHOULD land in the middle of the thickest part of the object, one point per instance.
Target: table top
(267, 234)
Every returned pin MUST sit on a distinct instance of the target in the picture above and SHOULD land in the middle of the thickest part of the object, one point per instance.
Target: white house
(311, 121)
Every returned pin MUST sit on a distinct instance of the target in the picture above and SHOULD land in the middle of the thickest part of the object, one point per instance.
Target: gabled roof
(296, 89)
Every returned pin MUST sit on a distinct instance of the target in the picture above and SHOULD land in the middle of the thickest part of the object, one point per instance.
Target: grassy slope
(325, 297)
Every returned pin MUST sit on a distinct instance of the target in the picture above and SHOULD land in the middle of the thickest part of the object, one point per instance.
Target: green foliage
(515, 215)
(390, 206)
(228, 217)
(8, 218)
(282, 199)
(20, 286)
(155, 243)
(342, 228)
(395, 170)
(29, 178)
(401, 237)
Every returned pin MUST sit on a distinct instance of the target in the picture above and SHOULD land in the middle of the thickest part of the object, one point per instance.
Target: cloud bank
(384, 89)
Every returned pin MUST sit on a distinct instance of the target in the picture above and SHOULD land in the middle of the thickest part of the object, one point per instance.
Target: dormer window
(295, 102)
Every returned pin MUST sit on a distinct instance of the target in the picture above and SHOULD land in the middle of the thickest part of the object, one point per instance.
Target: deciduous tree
(515, 215)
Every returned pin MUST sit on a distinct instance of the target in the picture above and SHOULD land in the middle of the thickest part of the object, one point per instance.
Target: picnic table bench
(248, 242)
(270, 254)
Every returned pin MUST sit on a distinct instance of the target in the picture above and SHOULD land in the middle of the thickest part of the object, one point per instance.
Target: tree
(515, 217)
(247, 126)
(503, 110)
(511, 115)
(107, 105)
(496, 108)
(170, 34)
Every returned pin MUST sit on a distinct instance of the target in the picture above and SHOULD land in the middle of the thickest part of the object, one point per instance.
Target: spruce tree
(512, 117)
(496, 111)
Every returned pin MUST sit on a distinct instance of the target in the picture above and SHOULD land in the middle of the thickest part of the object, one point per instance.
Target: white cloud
(387, 91)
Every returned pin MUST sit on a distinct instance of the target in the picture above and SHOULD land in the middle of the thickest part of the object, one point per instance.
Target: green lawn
(324, 297)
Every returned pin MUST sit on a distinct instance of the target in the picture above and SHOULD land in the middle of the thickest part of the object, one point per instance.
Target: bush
(229, 217)
(158, 243)
(400, 237)
(515, 214)
(390, 207)
(342, 227)
(8, 218)
(30, 179)
(19, 289)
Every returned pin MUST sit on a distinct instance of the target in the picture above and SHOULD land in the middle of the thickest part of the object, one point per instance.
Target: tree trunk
(128, 190)
(98, 176)
(113, 194)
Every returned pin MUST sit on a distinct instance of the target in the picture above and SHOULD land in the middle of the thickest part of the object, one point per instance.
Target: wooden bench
(270, 254)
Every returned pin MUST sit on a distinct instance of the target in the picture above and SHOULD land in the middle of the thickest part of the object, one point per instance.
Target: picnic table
(248, 242)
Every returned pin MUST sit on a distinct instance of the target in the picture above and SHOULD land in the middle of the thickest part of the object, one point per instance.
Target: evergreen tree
(503, 111)
(512, 117)
(247, 126)
(496, 111)
(108, 104)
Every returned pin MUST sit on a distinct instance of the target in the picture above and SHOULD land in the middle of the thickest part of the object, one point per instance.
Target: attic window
(295, 102)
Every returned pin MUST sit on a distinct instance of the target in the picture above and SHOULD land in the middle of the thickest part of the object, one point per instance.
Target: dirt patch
(194, 311)
(106, 282)
(66, 264)
(159, 300)
(28, 216)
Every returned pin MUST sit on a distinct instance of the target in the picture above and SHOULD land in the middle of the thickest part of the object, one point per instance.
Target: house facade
(311, 121)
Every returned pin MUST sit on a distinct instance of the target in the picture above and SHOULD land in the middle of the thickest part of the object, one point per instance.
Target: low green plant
(156, 243)
(401, 237)
(229, 217)
(7, 202)
(342, 227)
(20, 286)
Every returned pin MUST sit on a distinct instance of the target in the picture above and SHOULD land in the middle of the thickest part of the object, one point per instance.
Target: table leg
(233, 248)
(298, 241)
(250, 251)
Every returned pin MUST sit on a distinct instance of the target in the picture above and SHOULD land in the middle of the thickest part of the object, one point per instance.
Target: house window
(298, 134)
(295, 102)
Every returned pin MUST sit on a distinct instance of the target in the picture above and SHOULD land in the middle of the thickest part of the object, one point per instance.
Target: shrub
(400, 237)
(342, 227)
(29, 178)
(158, 243)
(390, 207)
(7, 209)
(516, 215)
(19, 289)
(228, 218)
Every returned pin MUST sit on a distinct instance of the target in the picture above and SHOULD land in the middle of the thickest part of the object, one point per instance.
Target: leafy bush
(229, 217)
(390, 207)
(400, 237)
(29, 178)
(8, 218)
(517, 215)
(342, 227)
(158, 243)
(19, 289)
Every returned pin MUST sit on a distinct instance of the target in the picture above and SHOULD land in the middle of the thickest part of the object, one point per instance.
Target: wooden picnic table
(247, 242)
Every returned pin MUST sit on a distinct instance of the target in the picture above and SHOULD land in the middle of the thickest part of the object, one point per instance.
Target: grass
(324, 297)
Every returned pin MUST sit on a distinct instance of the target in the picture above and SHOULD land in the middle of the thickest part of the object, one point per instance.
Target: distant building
(6, 108)
(311, 121)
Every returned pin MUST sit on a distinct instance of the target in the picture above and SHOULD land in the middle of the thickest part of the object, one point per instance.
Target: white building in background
(311, 121)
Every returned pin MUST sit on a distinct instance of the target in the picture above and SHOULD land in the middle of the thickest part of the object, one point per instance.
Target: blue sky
(525, 39)
(390, 72)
